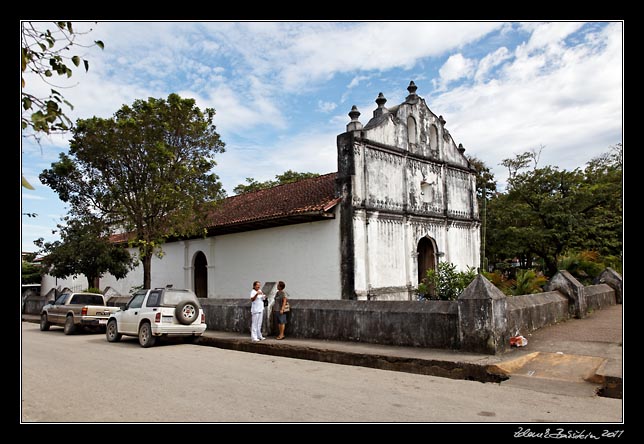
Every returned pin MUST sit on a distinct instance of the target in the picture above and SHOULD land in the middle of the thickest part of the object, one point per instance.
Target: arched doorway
(426, 257)
(201, 275)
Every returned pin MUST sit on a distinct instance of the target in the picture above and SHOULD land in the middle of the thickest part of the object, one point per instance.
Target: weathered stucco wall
(306, 256)
(406, 323)
(599, 296)
(530, 312)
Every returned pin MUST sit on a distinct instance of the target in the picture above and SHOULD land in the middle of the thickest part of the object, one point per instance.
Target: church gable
(409, 200)
(413, 127)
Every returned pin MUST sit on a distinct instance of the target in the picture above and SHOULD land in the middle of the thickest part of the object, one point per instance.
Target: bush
(93, 290)
(528, 282)
(585, 266)
(445, 283)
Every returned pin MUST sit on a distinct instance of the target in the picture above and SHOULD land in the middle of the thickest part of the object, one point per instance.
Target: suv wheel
(145, 335)
(44, 323)
(186, 312)
(69, 325)
(111, 332)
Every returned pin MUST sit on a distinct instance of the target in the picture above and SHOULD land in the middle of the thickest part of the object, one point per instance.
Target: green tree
(604, 223)
(84, 248)
(30, 272)
(506, 221)
(556, 205)
(288, 176)
(148, 170)
(46, 52)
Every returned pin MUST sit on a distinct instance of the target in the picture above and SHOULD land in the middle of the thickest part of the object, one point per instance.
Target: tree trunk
(93, 282)
(147, 273)
(551, 266)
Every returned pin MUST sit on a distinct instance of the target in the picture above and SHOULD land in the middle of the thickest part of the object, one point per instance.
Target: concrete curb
(421, 366)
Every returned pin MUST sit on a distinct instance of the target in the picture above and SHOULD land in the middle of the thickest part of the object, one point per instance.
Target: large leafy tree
(147, 170)
(547, 212)
(30, 271)
(84, 248)
(288, 176)
(604, 225)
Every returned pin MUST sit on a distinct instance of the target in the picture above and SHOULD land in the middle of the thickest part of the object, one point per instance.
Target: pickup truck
(76, 310)
(156, 313)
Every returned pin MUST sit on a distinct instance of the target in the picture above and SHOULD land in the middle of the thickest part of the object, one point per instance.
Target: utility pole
(483, 265)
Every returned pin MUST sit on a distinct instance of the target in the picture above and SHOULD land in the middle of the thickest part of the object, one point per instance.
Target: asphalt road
(83, 378)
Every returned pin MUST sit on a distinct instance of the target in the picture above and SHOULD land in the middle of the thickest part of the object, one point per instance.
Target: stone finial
(381, 100)
(441, 120)
(355, 124)
(461, 149)
(412, 98)
(354, 113)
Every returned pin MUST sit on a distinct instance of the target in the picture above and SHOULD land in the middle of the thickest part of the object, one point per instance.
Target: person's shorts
(281, 317)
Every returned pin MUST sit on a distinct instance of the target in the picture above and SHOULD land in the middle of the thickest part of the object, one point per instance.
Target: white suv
(158, 312)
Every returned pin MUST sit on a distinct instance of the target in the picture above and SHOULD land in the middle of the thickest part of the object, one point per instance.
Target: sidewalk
(582, 355)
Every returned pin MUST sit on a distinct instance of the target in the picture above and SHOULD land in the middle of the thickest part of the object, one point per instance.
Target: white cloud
(356, 81)
(490, 61)
(549, 34)
(568, 101)
(236, 113)
(320, 53)
(326, 107)
(308, 151)
(456, 67)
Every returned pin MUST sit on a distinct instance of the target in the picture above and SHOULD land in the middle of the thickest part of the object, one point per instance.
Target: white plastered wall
(305, 256)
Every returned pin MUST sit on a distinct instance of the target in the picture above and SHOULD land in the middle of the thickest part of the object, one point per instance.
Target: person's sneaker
(255, 340)
(262, 338)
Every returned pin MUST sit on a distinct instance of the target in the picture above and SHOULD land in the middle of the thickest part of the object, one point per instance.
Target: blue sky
(282, 90)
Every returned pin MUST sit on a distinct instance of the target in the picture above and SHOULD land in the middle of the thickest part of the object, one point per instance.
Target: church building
(402, 200)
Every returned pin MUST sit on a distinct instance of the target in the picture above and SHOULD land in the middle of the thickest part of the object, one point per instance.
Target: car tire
(112, 332)
(70, 327)
(44, 323)
(186, 312)
(145, 335)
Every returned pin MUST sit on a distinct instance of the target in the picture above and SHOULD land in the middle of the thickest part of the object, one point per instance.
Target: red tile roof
(314, 195)
(293, 201)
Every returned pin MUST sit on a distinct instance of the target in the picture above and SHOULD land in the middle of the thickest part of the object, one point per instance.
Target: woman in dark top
(278, 306)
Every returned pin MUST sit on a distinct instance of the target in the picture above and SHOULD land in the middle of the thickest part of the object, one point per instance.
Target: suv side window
(136, 301)
(61, 299)
(153, 299)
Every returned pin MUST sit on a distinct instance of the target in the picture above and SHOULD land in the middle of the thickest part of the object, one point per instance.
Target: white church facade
(403, 199)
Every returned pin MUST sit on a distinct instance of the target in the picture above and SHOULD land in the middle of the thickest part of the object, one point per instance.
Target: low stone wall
(482, 319)
(599, 296)
(530, 312)
(33, 303)
(404, 323)
(228, 314)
